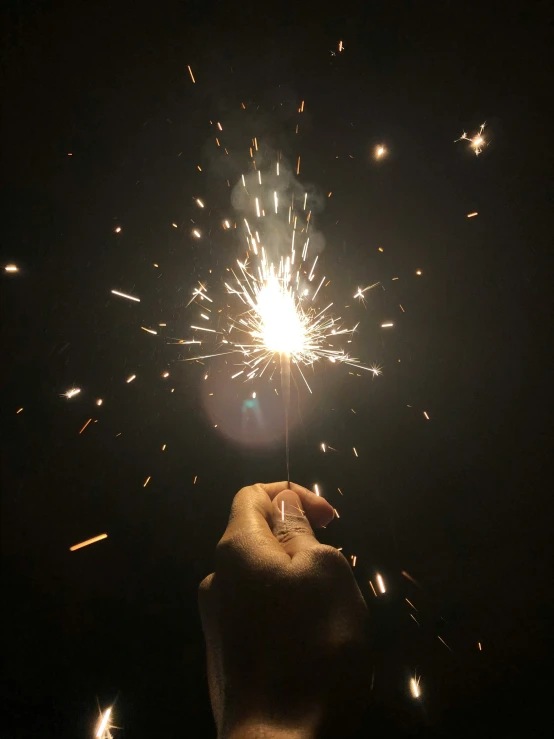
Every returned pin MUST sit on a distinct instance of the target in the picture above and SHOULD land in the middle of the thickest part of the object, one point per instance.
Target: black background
(462, 502)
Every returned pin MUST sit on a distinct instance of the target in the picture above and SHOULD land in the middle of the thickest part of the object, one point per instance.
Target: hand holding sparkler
(284, 621)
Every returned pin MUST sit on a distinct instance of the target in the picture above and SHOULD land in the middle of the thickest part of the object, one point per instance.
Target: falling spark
(472, 215)
(147, 481)
(414, 687)
(316, 489)
(276, 200)
(479, 645)
(387, 325)
(477, 142)
(191, 74)
(419, 272)
(19, 411)
(425, 414)
(340, 491)
(11, 268)
(105, 718)
(87, 542)
(253, 394)
(199, 203)
(124, 295)
(354, 450)
(72, 392)
(380, 151)
(298, 166)
(380, 584)
(282, 510)
(165, 374)
(149, 330)
(354, 558)
(174, 225)
(374, 593)
(117, 229)
(196, 233)
(130, 379)
(414, 618)
(411, 604)
(323, 447)
(445, 644)
(195, 479)
(409, 577)
(86, 424)
(164, 447)
(341, 47)
(336, 512)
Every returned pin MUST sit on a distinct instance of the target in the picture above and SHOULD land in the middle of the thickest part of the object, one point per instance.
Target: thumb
(290, 525)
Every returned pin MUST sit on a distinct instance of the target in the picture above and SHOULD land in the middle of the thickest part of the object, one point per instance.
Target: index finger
(248, 534)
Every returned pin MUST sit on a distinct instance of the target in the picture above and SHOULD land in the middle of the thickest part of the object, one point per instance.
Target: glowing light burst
(476, 142)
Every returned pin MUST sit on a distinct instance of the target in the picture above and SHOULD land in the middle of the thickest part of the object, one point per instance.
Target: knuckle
(328, 560)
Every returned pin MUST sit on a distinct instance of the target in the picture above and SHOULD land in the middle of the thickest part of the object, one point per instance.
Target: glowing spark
(84, 427)
(316, 490)
(275, 200)
(380, 151)
(419, 272)
(117, 229)
(414, 687)
(105, 718)
(87, 542)
(19, 411)
(477, 142)
(164, 447)
(196, 233)
(354, 558)
(472, 215)
(387, 325)
(380, 584)
(72, 392)
(282, 510)
(174, 225)
(124, 295)
(236, 375)
(411, 604)
(11, 268)
(340, 491)
(336, 512)
(323, 447)
(195, 479)
(257, 207)
(165, 374)
(445, 644)
(355, 452)
(425, 414)
(199, 203)
(191, 74)
(149, 330)
(254, 395)
(147, 481)
(298, 166)
(130, 379)
(374, 593)
(479, 645)
(341, 47)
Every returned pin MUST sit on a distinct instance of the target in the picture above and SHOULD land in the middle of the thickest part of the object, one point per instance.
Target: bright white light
(11, 268)
(280, 323)
(380, 584)
(414, 687)
(103, 723)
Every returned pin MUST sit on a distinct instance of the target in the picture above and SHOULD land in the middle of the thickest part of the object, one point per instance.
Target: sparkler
(277, 319)
(476, 142)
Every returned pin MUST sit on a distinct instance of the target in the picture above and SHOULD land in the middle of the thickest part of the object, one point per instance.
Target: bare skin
(285, 623)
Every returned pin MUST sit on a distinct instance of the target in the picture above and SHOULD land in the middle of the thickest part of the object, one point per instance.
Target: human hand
(285, 623)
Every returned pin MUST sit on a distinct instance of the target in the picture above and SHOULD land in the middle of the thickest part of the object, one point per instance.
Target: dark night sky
(462, 502)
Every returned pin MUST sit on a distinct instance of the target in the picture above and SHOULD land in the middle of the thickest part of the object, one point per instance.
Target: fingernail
(289, 504)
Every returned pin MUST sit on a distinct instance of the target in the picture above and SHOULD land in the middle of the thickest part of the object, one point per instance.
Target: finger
(291, 527)
(317, 509)
(248, 535)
